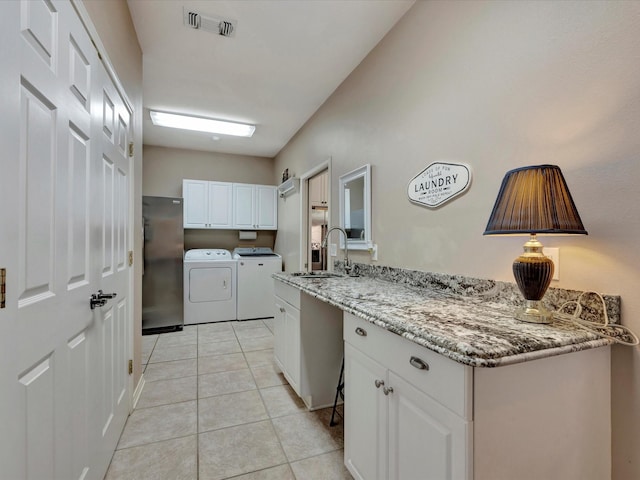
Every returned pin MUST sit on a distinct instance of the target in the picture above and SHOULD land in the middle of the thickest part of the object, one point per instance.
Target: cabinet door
(266, 207)
(195, 194)
(426, 440)
(317, 190)
(243, 206)
(220, 205)
(279, 341)
(365, 417)
(292, 347)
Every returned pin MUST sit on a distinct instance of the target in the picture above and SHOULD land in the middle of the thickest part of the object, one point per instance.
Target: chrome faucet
(347, 266)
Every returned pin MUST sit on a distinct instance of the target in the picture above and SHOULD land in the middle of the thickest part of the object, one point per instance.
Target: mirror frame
(365, 173)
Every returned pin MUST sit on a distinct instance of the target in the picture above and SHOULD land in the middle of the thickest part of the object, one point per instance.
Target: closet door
(63, 236)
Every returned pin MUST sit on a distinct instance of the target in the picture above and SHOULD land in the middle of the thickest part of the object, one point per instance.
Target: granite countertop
(472, 329)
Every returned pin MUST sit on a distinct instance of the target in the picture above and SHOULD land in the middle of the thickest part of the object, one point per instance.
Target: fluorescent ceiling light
(200, 124)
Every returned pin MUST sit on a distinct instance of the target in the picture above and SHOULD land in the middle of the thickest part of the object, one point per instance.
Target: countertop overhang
(470, 330)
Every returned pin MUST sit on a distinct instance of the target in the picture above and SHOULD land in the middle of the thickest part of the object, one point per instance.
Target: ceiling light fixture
(200, 124)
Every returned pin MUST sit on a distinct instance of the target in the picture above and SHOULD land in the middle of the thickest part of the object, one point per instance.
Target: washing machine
(209, 286)
(255, 283)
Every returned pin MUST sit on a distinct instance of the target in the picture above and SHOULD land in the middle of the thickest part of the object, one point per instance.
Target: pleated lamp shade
(534, 200)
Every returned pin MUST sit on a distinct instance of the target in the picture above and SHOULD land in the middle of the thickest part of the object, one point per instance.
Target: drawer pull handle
(379, 383)
(387, 390)
(419, 363)
(361, 331)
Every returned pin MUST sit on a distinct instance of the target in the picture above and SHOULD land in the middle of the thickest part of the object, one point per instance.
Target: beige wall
(497, 85)
(165, 168)
(115, 29)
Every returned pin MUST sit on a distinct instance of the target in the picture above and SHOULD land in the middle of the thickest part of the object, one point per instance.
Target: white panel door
(51, 250)
(112, 330)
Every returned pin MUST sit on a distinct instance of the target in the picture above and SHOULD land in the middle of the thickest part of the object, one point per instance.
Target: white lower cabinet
(287, 341)
(411, 413)
(308, 344)
(366, 424)
(425, 439)
(392, 429)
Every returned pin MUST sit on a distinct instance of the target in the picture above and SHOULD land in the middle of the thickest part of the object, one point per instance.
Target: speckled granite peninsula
(468, 320)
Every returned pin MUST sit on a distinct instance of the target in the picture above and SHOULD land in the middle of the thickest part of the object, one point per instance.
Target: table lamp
(534, 200)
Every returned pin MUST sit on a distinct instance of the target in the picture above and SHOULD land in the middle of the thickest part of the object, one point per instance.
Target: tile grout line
(273, 428)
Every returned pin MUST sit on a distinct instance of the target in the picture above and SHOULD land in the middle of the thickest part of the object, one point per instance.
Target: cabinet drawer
(445, 380)
(288, 293)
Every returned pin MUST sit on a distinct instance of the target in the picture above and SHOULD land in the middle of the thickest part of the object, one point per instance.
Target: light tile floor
(215, 407)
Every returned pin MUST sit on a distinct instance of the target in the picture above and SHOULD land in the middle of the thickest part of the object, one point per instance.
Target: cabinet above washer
(225, 205)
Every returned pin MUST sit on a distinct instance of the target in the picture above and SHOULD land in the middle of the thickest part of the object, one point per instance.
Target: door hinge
(131, 149)
(130, 258)
(130, 367)
(3, 287)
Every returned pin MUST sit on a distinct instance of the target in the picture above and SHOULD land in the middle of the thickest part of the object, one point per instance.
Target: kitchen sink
(316, 274)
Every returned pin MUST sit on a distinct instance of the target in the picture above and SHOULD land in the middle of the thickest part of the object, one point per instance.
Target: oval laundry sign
(439, 183)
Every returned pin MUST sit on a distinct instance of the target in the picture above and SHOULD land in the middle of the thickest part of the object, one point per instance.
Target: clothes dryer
(209, 286)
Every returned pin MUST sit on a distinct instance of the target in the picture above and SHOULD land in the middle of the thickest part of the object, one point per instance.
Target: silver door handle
(361, 331)
(387, 390)
(379, 383)
(100, 299)
(282, 310)
(419, 363)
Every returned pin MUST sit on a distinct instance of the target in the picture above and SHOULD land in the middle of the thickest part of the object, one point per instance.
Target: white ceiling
(285, 60)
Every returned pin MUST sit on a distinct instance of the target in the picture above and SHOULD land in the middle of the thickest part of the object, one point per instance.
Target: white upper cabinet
(266, 207)
(195, 194)
(255, 207)
(318, 194)
(207, 204)
(225, 205)
(220, 205)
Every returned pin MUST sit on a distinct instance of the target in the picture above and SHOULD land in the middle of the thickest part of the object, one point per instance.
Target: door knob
(387, 390)
(379, 383)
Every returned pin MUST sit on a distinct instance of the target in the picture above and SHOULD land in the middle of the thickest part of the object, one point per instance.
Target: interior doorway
(315, 216)
(317, 220)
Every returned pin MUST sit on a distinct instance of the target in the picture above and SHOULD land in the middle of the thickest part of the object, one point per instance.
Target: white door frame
(304, 209)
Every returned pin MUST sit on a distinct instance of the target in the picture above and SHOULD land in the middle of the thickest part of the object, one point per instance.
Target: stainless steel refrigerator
(162, 277)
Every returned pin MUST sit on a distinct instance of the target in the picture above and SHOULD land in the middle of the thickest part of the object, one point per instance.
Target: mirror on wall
(355, 208)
